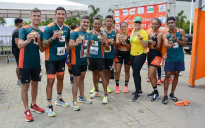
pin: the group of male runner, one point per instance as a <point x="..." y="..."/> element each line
<point x="94" y="49"/>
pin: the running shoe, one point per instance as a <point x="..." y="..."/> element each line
<point x="151" y="94"/>
<point x="71" y="80"/>
<point x="50" y="111"/>
<point x="37" y="109"/>
<point x="163" y="80"/>
<point x="95" y="94"/>
<point x="170" y="80"/>
<point x="136" y="97"/>
<point x="84" y="100"/>
<point x="173" y="97"/>
<point x="117" y="90"/>
<point x="159" y="82"/>
<point x="91" y="91"/>
<point x="148" y="80"/>
<point x="126" y="89"/>
<point x="180" y="74"/>
<point x="75" y="106"/>
<point x="105" y="100"/>
<point x="28" y="116"/>
<point x="18" y="83"/>
<point x="108" y="89"/>
<point x="165" y="100"/>
<point x="155" y="98"/>
<point x="61" y="102"/>
<point x="140" y="92"/>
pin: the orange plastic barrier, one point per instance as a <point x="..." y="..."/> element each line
<point x="197" y="67"/>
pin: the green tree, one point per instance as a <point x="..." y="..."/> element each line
<point x="94" y="13"/>
<point x="71" y="20"/>
<point x="180" y="19"/>
<point x="186" y="26"/>
<point x="111" y="10"/>
<point x="2" y="21"/>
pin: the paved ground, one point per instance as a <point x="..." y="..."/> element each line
<point x="120" y="112"/>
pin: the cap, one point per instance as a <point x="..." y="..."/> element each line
<point x="138" y="19"/>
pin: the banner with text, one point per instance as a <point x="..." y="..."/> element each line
<point x="146" y="12"/>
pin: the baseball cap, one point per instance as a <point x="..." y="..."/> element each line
<point x="138" y="19"/>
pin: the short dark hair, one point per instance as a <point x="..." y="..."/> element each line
<point x="73" y="26"/>
<point x="109" y="16"/>
<point x="18" y="20"/>
<point x="35" y="10"/>
<point x="85" y="17"/>
<point x="171" y="18"/>
<point x="60" y="8"/>
<point x="124" y="23"/>
<point x="158" y="20"/>
<point x="96" y="18"/>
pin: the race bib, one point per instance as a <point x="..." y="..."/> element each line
<point x="94" y="50"/>
<point x="107" y="50"/>
<point x="175" y="45"/>
<point x="62" y="38"/>
<point x="95" y="43"/>
<point x="60" y="51"/>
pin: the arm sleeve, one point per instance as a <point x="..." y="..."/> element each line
<point x="46" y="33"/>
<point x="22" y="34"/>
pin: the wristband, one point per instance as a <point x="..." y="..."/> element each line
<point x="141" y="38"/>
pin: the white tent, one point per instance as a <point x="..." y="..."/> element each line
<point x="22" y="8"/>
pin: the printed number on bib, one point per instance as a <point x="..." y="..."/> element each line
<point x="94" y="50"/>
<point x="60" y="51"/>
<point x="175" y="45"/>
<point x="62" y="39"/>
<point x="107" y="50"/>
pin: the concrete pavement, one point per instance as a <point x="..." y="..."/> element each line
<point x="121" y="112"/>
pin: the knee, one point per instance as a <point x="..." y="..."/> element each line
<point x="25" y="87"/>
<point x="176" y="75"/>
<point x="127" y="72"/>
<point x="151" y="76"/>
<point x="167" y="76"/>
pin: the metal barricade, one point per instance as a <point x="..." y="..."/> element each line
<point x="6" y="47"/>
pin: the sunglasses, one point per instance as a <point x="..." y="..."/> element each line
<point x="138" y="22"/>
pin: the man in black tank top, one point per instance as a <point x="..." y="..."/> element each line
<point x="15" y="49"/>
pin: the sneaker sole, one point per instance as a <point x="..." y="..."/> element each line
<point x="32" y="110"/>
<point x="117" y="92"/>
<point x="104" y="102"/>
<point x="76" y="109"/>
<point x="51" y="115"/>
<point x="28" y="120"/>
<point x="136" y="100"/>
<point x="156" y="100"/>
<point x="173" y="100"/>
<point x="84" y="102"/>
<point x="57" y="104"/>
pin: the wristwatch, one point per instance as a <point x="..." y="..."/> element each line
<point x="141" y="38"/>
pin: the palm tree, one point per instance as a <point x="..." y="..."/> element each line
<point x="94" y="14"/>
<point x="180" y="19"/>
<point x="111" y="10"/>
<point x="2" y="21"/>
